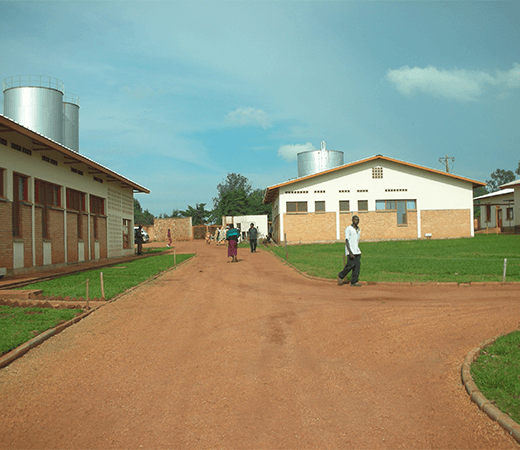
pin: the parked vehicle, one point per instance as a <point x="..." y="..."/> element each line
<point x="146" y="236"/>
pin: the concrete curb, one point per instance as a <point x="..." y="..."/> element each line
<point x="482" y="402"/>
<point x="21" y="350"/>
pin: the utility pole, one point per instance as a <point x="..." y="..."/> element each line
<point x="446" y="162"/>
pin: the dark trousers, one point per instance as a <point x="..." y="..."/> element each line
<point x="252" y="244"/>
<point x="355" y="266"/>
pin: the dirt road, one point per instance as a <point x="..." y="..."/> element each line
<point x="252" y="355"/>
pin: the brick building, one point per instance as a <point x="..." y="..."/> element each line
<point x="394" y="200"/>
<point x="57" y="206"/>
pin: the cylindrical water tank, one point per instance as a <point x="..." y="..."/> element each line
<point x="71" y="121"/>
<point x="35" y="102"/>
<point x="315" y="161"/>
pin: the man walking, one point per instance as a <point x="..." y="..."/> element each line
<point x="252" y="234"/>
<point x="353" y="253"/>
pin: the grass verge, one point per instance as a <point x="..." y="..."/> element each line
<point x="480" y="258"/>
<point x="116" y="279"/>
<point x="19" y="325"/>
<point x="496" y="373"/>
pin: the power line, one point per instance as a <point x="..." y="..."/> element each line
<point x="446" y="162"/>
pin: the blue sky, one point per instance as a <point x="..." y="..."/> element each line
<point x="176" y="95"/>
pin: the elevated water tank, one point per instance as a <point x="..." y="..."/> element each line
<point x="71" y="121"/>
<point x="315" y="161"/>
<point x="35" y="102"/>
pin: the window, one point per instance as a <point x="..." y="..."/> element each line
<point x="47" y="195"/>
<point x="377" y="172"/>
<point x="362" y="205"/>
<point x="319" y="206"/>
<point x="126" y="234"/>
<point x="19" y="195"/>
<point x="296" y="207"/>
<point x="488" y="213"/>
<point x="3" y="141"/>
<point x="97" y="205"/>
<point x="401" y="207"/>
<point x="75" y="200"/>
<point x="509" y="214"/>
<point x="402" y="218"/>
<point x="2" y="171"/>
<point x="344" y="206"/>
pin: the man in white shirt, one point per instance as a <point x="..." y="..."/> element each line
<point x="352" y="233"/>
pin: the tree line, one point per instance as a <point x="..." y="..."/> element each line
<point x="235" y="197"/>
<point x="497" y="179"/>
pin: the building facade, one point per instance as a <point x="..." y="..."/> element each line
<point x="57" y="206"/>
<point x="497" y="210"/>
<point x="394" y="200"/>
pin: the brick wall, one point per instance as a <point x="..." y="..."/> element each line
<point x="310" y="227"/>
<point x="446" y="223"/>
<point x="72" y="237"/>
<point x="180" y="229"/>
<point x="56" y="235"/>
<point x="26" y="219"/>
<point x="6" y="235"/>
<point x="381" y="225"/>
<point x="376" y="225"/>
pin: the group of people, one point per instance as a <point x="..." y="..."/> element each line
<point x="232" y="235"/>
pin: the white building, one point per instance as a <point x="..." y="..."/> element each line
<point x="497" y="210"/>
<point x="394" y="200"/>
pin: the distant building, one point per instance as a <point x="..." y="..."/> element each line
<point x="57" y="206"/>
<point x="497" y="210"/>
<point x="394" y="200"/>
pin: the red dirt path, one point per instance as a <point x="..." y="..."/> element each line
<point x="252" y="355"/>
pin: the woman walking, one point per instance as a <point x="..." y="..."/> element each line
<point x="169" y="235"/>
<point x="232" y="238"/>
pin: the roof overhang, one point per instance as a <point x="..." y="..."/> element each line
<point x="271" y="193"/>
<point x="41" y="143"/>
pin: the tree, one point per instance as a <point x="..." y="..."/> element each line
<point x="232" y="182"/>
<point x="518" y="169"/>
<point x="256" y="206"/>
<point x="142" y="217"/>
<point x="499" y="177"/>
<point x="198" y="215"/>
<point x="235" y="197"/>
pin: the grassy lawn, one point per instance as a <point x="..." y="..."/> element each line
<point x="455" y="260"/>
<point x="496" y="372"/>
<point x="116" y="279"/>
<point x="18" y="325"/>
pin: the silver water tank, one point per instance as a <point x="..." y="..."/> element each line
<point x="315" y="161"/>
<point x="71" y="121"/>
<point x="36" y="102"/>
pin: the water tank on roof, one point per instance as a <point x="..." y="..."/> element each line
<point x="71" y="121"/>
<point x="315" y="161"/>
<point x="36" y="102"/>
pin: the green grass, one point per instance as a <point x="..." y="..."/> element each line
<point x="18" y="325"/>
<point x="116" y="279"/>
<point x="496" y="372"/>
<point x="454" y="260"/>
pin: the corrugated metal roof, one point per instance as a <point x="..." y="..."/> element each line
<point x="48" y="144"/>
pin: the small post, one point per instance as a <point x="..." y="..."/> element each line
<point x="88" y="306"/>
<point x="102" y="286"/>
<point x="286" y="252"/>
<point x="505" y="271"/>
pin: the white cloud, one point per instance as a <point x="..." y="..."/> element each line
<point x="290" y="152"/>
<point x="248" y="116"/>
<point x="461" y="85"/>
